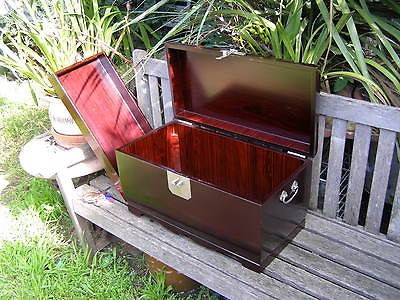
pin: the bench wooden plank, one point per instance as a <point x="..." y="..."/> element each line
<point x="142" y="85"/>
<point x="101" y="183"/>
<point x="308" y="282"/>
<point x="152" y="67"/>
<point x="208" y="267"/>
<point x="155" y="101"/>
<point x="104" y="184"/>
<point x="316" y="165"/>
<point x="338" y="274"/>
<point x="380" y="179"/>
<point x="394" y="225"/>
<point x="354" y="238"/>
<point x="167" y="100"/>
<point x="359" y="160"/>
<point x="349" y="257"/>
<point x="359" y="111"/>
<point x="335" y="162"/>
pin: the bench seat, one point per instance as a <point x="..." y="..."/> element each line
<point x="326" y="260"/>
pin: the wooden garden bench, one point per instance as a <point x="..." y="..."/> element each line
<point x="332" y="258"/>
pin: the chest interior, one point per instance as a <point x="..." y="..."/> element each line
<point x="236" y="166"/>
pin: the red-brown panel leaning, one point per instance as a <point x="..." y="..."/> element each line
<point x="102" y="106"/>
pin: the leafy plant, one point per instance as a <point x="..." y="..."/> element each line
<point x="375" y="70"/>
<point x="41" y="269"/>
<point x="347" y="40"/>
<point x="44" y="36"/>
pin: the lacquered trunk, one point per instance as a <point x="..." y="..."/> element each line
<point x="235" y="189"/>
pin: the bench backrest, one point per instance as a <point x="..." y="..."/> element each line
<point x="360" y="186"/>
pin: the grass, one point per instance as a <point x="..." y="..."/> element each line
<point x="39" y="258"/>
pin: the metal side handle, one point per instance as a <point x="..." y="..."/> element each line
<point x="286" y="198"/>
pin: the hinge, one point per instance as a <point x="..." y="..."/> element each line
<point x="226" y="53"/>
<point x="296" y="154"/>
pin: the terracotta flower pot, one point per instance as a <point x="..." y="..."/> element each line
<point x="178" y="281"/>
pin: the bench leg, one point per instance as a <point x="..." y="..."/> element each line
<point x="81" y="225"/>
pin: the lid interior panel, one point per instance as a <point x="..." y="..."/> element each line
<point x="269" y="100"/>
<point x="101" y="105"/>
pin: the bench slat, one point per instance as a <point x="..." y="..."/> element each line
<point x="338" y="274"/>
<point x="151" y="66"/>
<point x="316" y="165"/>
<point x="359" y="111"/>
<point x="155" y="101"/>
<point x="305" y="281"/>
<point x="362" y="241"/>
<point x="394" y="225"/>
<point x="142" y="85"/>
<point x="167" y="100"/>
<point x="380" y="179"/>
<point x="359" y="160"/>
<point x="335" y="162"/>
<point x="347" y="256"/>
<point x="208" y="267"/>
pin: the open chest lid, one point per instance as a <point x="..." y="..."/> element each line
<point x="101" y="106"/>
<point x="263" y="99"/>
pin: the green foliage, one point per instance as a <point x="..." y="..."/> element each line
<point x="19" y="123"/>
<point x="39" y="269"/>
<point x="154" y="288"/>
<point x="346" y="38"/>
<point x="44" y="36"/>
<point x="40" y="195"/>
<point x="203" y="294"/>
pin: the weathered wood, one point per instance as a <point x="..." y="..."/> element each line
<point x="308" y="282"/>
<point x="394" y="225"/>
<point x="358" y="111"/>
<point x="338" y="274"/>
<point x="215" y="270"/>
<point x="86" y="229"/>
<point x="380" y="179"/>
<point x="104" y="184"/>
<point x="101" y="183"/>
<point x="316" y="165"/>
<point x="380" y="236"/>
<point x="68" y="193"/>
<point x="155" y="101"/>
<point x="322" y="275"/>
<point x="354" y="238"/>
<point x="359" y="161"/>
<point x="167" y="100"/>
<point x="155" y="67"/>
<point x="335" y="162"/>
<point x="142" y="85"/>
<point x="349" y="257"/>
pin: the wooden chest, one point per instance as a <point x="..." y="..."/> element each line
<point x="231" y="170"/>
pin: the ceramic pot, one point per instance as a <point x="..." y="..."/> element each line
<point x="61" y="120"/>
<point x="64" y="129"/>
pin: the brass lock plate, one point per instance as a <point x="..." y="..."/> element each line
<point x="179" y="185"/>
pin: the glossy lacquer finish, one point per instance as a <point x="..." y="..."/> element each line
<point x="269" y="100"/>
<point x="234" y="205"/>
<point x="242" y="168"/>
<point x="101" y="106"/>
